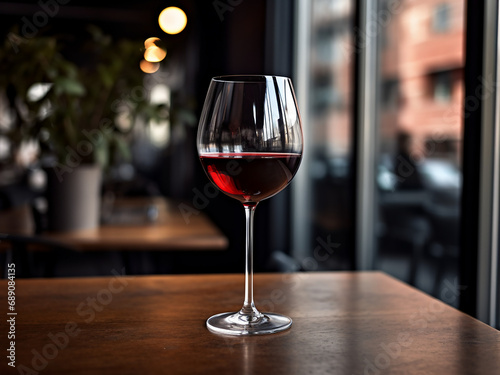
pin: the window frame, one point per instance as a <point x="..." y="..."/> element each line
<point x="480" y="219"/>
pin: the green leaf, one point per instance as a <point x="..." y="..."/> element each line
<point x="107" y="78"/>
<point x="65" y="85"/>
<point x="101" y="153"/>
<point x="123" y="148"/>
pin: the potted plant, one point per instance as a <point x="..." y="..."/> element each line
<point x="79" y="114"/>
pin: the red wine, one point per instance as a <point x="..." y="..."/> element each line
<point x="250" y="177"/>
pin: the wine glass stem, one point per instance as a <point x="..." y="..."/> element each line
<point x="248" y="305"/>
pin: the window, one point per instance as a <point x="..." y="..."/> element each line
<point x="441" y="18"/>
<point x="408" y="148"/>
<point x="442" y="83"/>
<point x="418" y="176"/>
<point x="390" y="94"/>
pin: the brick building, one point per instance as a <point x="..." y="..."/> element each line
<point x="421" y="68"/>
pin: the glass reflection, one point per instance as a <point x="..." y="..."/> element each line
<point x="419" y="177"/>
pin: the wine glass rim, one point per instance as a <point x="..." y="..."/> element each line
<point x="246" y="78"/>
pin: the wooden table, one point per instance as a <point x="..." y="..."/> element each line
<point x="171" y="231"/>
<point x="343" y="323"/>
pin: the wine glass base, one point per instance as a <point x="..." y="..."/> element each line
<point x="233" y="323"/>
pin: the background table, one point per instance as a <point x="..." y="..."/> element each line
<point x="171" y="231"/>
<point x="343" y="323"/>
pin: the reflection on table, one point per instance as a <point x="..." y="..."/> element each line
<point x="343" y="323"/>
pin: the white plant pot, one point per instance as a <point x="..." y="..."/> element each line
<point x="74" y="198"/>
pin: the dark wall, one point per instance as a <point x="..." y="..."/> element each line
<point x="231" y="42"/>
<point x="219" y="39"/>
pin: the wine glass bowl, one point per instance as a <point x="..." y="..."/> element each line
<point x="250" y="177"/>
<point x="250" y="145"/>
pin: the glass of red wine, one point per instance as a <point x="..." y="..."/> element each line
<point x="250" y="145"/>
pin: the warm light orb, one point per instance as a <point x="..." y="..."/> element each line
<point x="151" y="42"/>
<point x="154" y="54"/>
<point x="149" y="67"/>
<point x="172" y="20"/>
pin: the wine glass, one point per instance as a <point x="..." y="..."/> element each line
<point x="250" y="145"/>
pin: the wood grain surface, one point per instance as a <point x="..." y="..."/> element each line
<point x="174" y="229"/>
<point x="343" y="323"/>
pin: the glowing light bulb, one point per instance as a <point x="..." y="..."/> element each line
<point x="149" y="67"/>
<point x="172" y="20"/>
<point x="154" y="54"/>
<point x="151" y="42"/>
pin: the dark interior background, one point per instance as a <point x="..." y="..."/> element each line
<point x="218" y="40"/>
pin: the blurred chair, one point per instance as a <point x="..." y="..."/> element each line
<point x="444" y="214"/>
<point x="32" y="256"/>
<point x="281" y="262"/>
<point x="17" y="220"/>
<point x="405" y="221"/>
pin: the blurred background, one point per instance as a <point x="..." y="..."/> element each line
<point x="64" y="61"/>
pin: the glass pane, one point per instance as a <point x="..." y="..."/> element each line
<point x="421" y="62"/>
<point x="330" y="162"/>
<point x="497" y="319"/>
